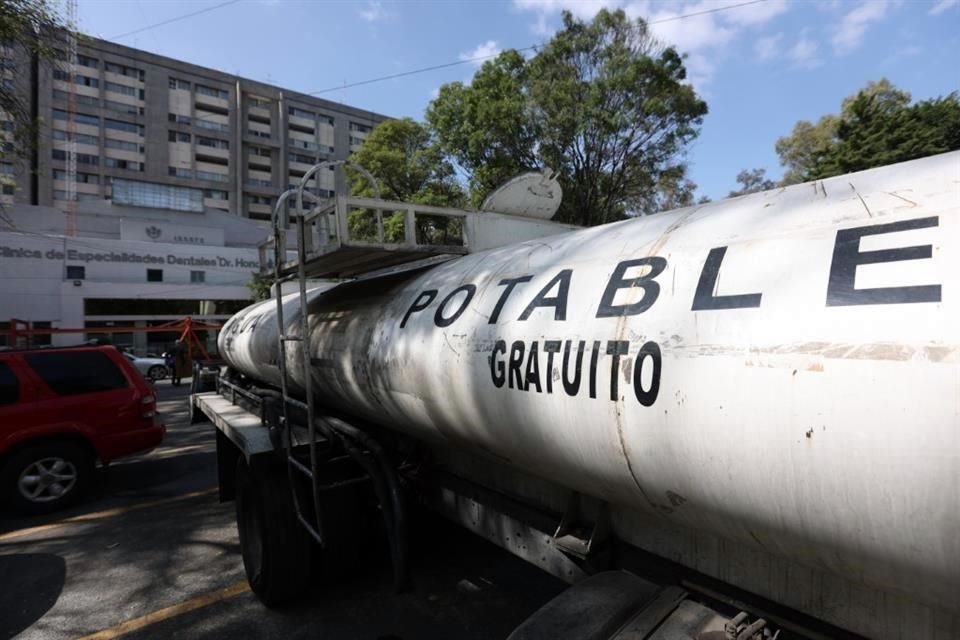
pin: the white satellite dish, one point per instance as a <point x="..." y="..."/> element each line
<point x="531" y="195"/>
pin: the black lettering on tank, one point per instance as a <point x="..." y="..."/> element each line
<point x="440" y="320"/>
<point x="616" y="348"/>
<point x="509" y="283"/>
<point x="497" y="369"/>
<point x="422" y="302"/>
<point x="558" y="302"/>
<point x="651" y="351"/>
<point x="572" y="386"/>
<point x="651" y="289"/>
<point x="516" y="362"/>
<point x="841" y="291"/>
<point x="550" y="347"/>
<point x="704" y="300"/>
<point x="533" y="368"/>
<point x="594" y="357"/>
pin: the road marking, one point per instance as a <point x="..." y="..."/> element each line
<point x="197" y="602"/>
<point x="101" y="515"/>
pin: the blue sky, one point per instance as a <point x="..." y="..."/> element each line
<point x="760" y="67"/>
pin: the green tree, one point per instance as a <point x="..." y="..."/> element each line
<point x="752" y="181"/>
<point x="798" y="151"/>
<point x="874" y="132"/>
<point x="259" y="285"/>
<point x="408" y="165"/>
<point x="603" y="104"/>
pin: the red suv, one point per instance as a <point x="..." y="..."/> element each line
<point x="61" y="410"/>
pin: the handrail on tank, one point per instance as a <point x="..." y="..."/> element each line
<point x="279" y="235"/>
<point x="302" y="188"/>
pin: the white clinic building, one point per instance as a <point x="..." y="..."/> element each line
<point x="151" y="255"/>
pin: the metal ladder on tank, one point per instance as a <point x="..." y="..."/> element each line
<point x="278" y="222"/>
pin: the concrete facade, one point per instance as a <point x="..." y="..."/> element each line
<point x="149" y="118"/>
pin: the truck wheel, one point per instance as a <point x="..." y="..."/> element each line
<point x="45" y="477"/>
<point x="277" y="550"/>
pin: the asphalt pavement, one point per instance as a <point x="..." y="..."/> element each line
<point x="152" y="554"/>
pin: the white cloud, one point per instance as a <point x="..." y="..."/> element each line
<point x="435" y="93"/>
<point x="705" y="38"/>
<point x="540" y="28"/>
<point x="804" y="52"/>
<point x="486" y="50"/>
<point x="754" y="14"/>
<point x="768" y="47"/>
<point x="854" y="25"/>
<point x="942" y="5"/>
<point x="373" y="11"/>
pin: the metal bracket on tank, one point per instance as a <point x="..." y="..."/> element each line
<point x="576" y="537"/>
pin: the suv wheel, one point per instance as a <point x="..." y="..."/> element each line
<point x="46" y="477"/>
<point x="157" y="372"/>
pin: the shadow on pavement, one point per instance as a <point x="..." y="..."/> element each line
<point x="39" y="579"/>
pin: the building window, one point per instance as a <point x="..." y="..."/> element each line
<point x="326" y="120"/>
<point x="81" y="99"/>
<point x="123" y="70"/>
<point x="6" y="168"/>
<point x="79" y="118"/>
<point x="216" y="194"/>
<point x="301" y="158"/>
<point x="7" y="189"/>
<point x="87" y="61"/>
<point x="119" y="125"/>
<point x="81" y="138"/>
<point x="123" y="145"/>
<point x="260" y="151"/>
<point x="258" y="134"/>
<point x="213" y="92"/>
<point x="123" y="89"/>
<point x="212" y="142"/>
<point x="82" y="158"/>
<point x="86" y="81"/>
<point x="75" y="272"/>
<point x="179" y="84"/>
<point x="360" y="128"/>
<point x="122" y="108"/>
<point x="213" y="177"/>
<point x="254" y="182"/>
<point x="86" y="178"/>
<point x="179" y="119"/>
<point x="257" y="101"/>
<point x="129" y="165"/>
<point x="260" y="200"/>
<point x="252" y="117"/>
<point x="179" y="172"/>
<point x="159" y="196"/>
<point x="213" y="126"/>
<point x="197" y="277"/>
<point x="154" y="275"/>
<point x="178" y="136"/>
<point x="301" y="113"/>
<point x="355" y="141"/>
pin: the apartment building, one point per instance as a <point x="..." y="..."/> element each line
<point x="170" y="130"/>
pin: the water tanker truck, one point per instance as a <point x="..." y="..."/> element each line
<point x="762" y="394"/>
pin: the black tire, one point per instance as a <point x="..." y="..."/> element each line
<point x="157" y="372"/>
<point x="277" y="550"/>
<point x="46" y="477"/>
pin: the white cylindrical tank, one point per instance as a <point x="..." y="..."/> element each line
<point x="782" y="369"/>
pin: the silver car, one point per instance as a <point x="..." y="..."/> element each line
<point x="152" y="368"/>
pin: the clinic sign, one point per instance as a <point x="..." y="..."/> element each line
<point x="91" y="256"/>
